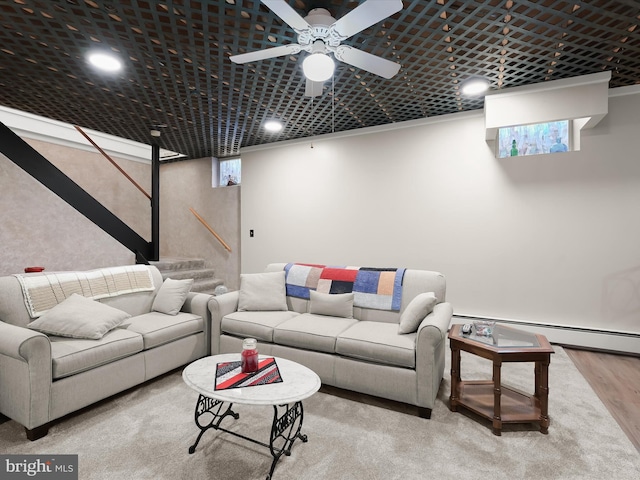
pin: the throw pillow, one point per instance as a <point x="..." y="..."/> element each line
<point x="79" y="317"/>
<point x="335" y="305"/>
<point x="262" y="291"/>
<point x="171" y="296"/>
<point x="418" y="308"/>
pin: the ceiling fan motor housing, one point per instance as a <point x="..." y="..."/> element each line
<point x="320" y="21"/>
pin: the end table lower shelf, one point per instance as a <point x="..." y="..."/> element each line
<point x="515" y="406"/>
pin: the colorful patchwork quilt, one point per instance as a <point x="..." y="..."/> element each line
<point x="377" y="288"/>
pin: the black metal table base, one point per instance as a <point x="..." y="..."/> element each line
<point x="285" y="428"/>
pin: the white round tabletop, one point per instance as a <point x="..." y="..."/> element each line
<point x="298" y="382"/>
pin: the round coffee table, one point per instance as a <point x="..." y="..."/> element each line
<point x="298" y="382"/>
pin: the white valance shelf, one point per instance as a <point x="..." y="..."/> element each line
<point x="584" y="100"/>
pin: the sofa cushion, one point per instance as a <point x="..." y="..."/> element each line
<point x="171" y="296"/>
<point x="314" y="332"/>
<point x="378" y="342"/>
<point x="74" y="355"/>
<point x="79" y="317"/>
<point x="257" y="325"/>
<point x="335" y="305"/>
<point x="419" y="307"/>
<point x="159" y="328"/>
<point x="262" y="292"/>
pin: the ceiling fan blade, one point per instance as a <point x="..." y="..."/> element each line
<point x="290" y="49"/>
<point x="366" y="61"/>
<point x="313" y="89"/>
<point x="365" y="15"/>
<point x="287" y="14"/>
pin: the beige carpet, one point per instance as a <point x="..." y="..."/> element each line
<point x="145" y="434"/>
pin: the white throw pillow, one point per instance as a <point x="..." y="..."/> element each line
<point x="418" y="308"/>
<point x="79" y="317"/>
<point x="171" y="296"/>
<point x="332" y="304"/>
<point x="262" y="292"/>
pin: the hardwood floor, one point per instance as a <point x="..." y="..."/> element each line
<point x="616" y="380"/>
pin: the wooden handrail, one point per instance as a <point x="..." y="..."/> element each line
<point x="210" y="229"/>
<point x="112" y="161"/>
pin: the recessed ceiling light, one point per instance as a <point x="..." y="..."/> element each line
<point x="105" y="61"/>
<point x="273" y="125"/>
<point x="475" y="86"/>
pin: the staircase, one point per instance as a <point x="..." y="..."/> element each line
<point x="204" y="280"/>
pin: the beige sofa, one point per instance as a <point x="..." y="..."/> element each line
<point x="151" y="328"/>
<point x="365" y="353"/>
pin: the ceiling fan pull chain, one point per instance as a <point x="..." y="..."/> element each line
<point x="333" y="105"/>
<point x="313" y="116"/>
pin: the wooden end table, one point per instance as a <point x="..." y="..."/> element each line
<point x="489" y="398"/>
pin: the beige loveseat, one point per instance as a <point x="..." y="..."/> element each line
<point x="151" y="328"/>
<point x="365" y="353"/>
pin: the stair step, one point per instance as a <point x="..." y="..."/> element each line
<point x="207" y="286"/>
<point x="204" y="273"/>
<point x="204" y="280"/>
<point x="173" y="264"/>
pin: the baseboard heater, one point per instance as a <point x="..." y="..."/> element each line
<point x="570" y="336"/>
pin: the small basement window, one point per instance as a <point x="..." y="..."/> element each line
<point x="226" y="172"/>
<point x="534" y="139"/>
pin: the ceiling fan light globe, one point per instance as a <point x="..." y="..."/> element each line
<point x="318" y="67"/>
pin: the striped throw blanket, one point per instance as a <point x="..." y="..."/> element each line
<point x="44" y="291"/>
<point x="229" y="374"/>
<point x="376" y="288"/>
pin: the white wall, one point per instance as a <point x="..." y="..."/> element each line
<point x="551" y="239"/>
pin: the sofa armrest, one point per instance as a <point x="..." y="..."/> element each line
<point x="25" y="375"/>
<point x="430" y="351"/>
<point x="198" y="304"/>
<point x="219" y="306"/>
<point x="437" y="323"/>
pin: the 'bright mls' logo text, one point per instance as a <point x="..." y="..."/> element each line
<point x="60" y="467"/>
<point x="30" y="468"/>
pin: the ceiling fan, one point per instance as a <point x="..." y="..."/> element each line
<point x="320" y="34"/>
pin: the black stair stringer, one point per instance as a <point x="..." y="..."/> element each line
<point x="23" y="155"/>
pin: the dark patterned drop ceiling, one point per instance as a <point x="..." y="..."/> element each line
<point x="177" y="70"/>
